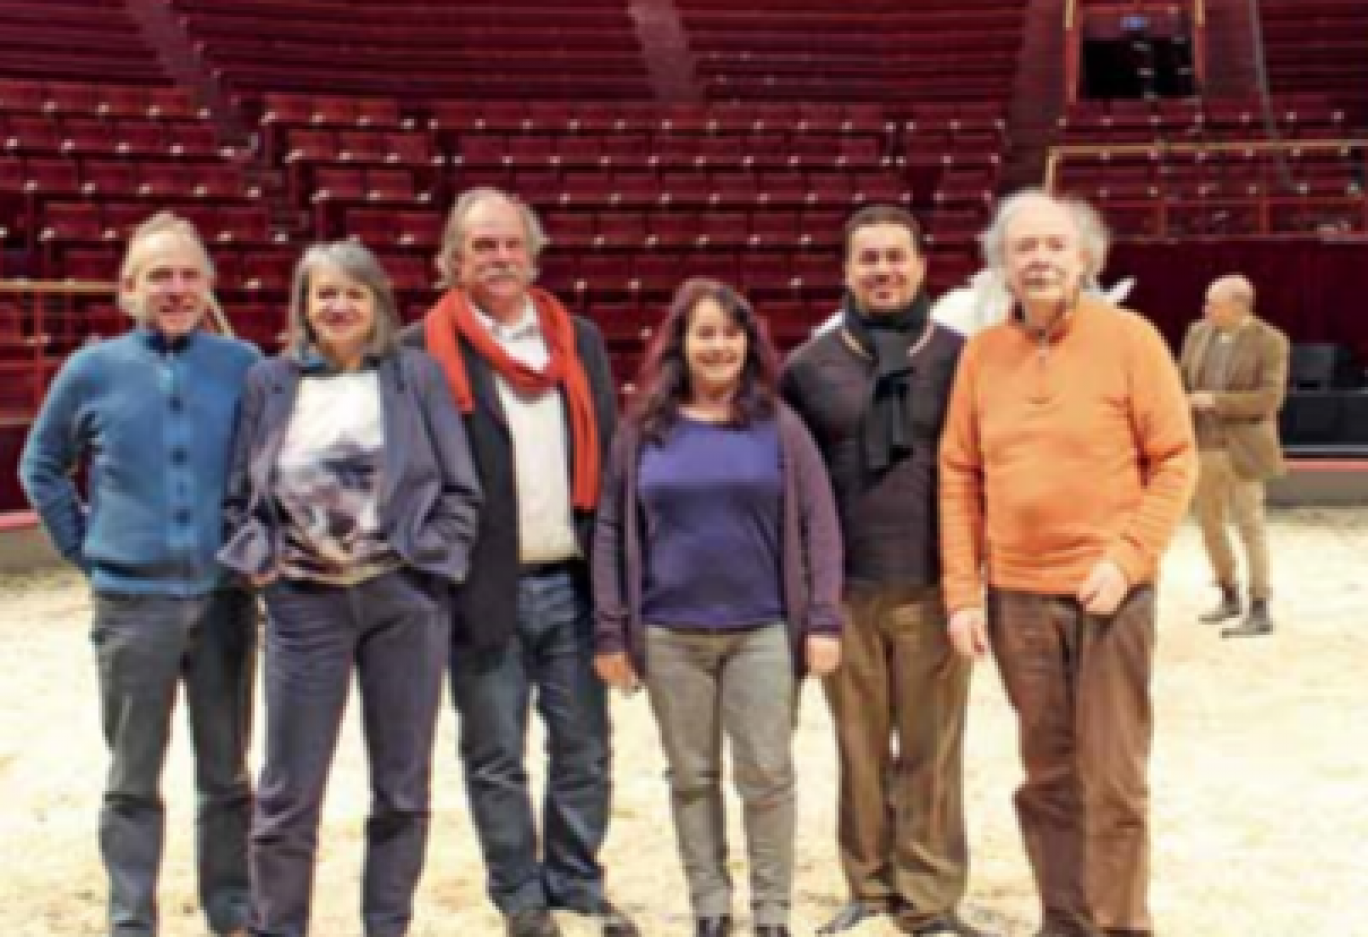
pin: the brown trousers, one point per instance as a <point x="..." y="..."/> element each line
<point x="1080" y="685"/>
<point x="1220" y="492"/>
<point x="898" y="702"/>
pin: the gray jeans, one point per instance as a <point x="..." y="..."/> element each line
<point x="741" y="684"/>
<point x="145" y="647"/>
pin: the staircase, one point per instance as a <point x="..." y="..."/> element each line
<point x="665" y="50"/>
<point x="1038" y="94"/>
<point x="1231" y="68"/>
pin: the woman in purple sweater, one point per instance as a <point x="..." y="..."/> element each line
<point x="717" y="561"/>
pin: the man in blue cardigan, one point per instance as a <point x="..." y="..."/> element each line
<point x="150" y="415"/>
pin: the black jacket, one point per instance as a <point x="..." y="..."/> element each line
<point x="888" y="522"/>
<point x="487" y="607"/>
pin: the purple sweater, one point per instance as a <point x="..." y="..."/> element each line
<point x="709" y="491"/>
<point x="810" y="546"/>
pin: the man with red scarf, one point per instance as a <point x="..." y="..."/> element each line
<point x="533" y="384"/>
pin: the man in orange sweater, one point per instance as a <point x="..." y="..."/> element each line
<point x="1067" y="461"/>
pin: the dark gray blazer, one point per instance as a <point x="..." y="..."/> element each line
<point x="487" y="608"/>
<point x="430" y="502"/>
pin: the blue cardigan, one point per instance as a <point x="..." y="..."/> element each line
<point x="153" y="423"/>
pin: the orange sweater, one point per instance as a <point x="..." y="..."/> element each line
<point x="1059" y="454"/>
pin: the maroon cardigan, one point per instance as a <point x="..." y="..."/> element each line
<point x="811" y="546"/>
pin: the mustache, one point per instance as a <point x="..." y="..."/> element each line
<point x="1043" y="271"/>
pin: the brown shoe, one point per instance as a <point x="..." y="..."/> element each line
<point x="1258" y="622"/>
<point x="534" y="922"/>
<point x="1228" y="607"/>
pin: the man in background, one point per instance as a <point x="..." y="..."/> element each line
<point x="1235" y="367"/>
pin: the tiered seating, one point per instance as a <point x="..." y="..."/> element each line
<point x="1305" y="117"/>
<point x="66" y="145"/>
<point x="1320" y="47"/>
<point x="39" y="326"/>
<point x="1210" y="169"/>
<point x="815" y="50"/>
<point x="823" y="50"/>
<point x="635" y="198"/>
<point x="954" y="50"/>
<point x="80" y="164"/>
<point x="954" y="155"/>
<point x="421" y="48"/>
<point x="78" y="40"/>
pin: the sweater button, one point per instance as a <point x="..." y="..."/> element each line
<point x="183" y="516"/>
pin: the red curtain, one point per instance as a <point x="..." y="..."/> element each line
<point x="1315" y="291"/>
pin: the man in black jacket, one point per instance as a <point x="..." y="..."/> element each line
<point x="874" y="390"/>
<point x="539" y="403"/>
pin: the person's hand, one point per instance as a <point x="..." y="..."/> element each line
<point x="823" y="654"/>
<point x="969" y="633"/>
<point x="1104" y="589"/>
<point x="1202" y="400"/>
<point x="262" y="580"/>
<point x="617" y="671"/>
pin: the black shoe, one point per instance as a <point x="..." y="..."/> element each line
<point x="535" y="922"/>
<point x="713" y="927"/>
<point x="772" y="930"/>
<point x="1257" y="622"/>
<point x="614" y="922"/>
<point x="852" y="915"/>
<point x="1229" y="607"/>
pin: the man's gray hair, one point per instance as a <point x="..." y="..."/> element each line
<point x="137" y="256"/>
<point x="353" y="259"/>
<point x="1093" y="237"/>
<point x="453" y="235"/>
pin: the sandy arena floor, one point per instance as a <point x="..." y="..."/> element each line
<point x="1260" y="779"/>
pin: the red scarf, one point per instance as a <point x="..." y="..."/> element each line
<point x="454" y="315"/>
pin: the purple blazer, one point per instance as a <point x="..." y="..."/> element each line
<point x="811" y="546"/>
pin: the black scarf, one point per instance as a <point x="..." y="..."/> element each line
<point x="886" y="431"/>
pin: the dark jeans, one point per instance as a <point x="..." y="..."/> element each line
<point x="394" y="631"/>
<point x="145" y="646"/>
<point x="552" y="655"/>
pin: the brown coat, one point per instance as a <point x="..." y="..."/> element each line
<point x="1250" y="395"/>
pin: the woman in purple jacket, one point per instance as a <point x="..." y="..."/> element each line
<point x="717" y="561"/>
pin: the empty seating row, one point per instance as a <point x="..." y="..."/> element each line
<point x="422" y="50"/>
<point x="699" y="192"/>
<point x="1318" y="46"/>
<point x="76" y="223"/>
<point x="190" y="139"/>
<point x="75" y="40"/>
<point x="1250" y="170"/>
<point x="240" y="269"/>
<point x="141" y="177"/>
<point x="762" y="148"/>
<point x="19" y="96"/>
<point x="1233" y="217"/>
<point x="620" y="117"/>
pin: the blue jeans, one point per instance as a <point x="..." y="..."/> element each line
<point x="551" y="657"/>
<point x="393" y="633"/>
<point x="145" y="647"/>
